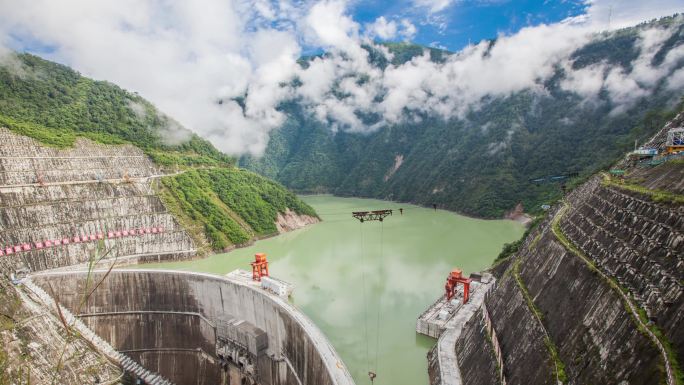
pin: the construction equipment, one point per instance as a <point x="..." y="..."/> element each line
<point x="454" y="278"/>
<point x="259" y="267"/>
<point x="366" y="216"/>
<point x="377" y="215"/>
<point x="675" y="141"/>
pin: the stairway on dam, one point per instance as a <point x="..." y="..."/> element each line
<point x="57" y="205"/>
<point x="72" y="322"/>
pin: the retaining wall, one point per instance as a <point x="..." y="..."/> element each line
<point x="638" y="242"/>
<point x="49" y="194"/>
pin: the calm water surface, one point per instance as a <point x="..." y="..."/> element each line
<point x="405" y="261"/>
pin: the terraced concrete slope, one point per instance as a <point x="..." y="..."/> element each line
<point x="595" y="295"/>
<point x="38" y="349"/>
<point x="57" y="205"/>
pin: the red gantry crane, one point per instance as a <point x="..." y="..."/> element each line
<point x="454" y="278"/>
<point x="259" y="266"/>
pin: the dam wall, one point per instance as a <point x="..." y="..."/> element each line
<point x="638" y="242"/>
<point x="170" y="322"/>
<point x="58" y="206"/>
<point x="563" y="315"/>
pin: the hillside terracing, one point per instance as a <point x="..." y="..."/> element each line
<point x="56" y="206"/>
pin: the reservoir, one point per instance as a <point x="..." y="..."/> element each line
<point x="402" y="264"/>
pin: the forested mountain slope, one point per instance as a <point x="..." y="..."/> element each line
<point x="219" y="204"/>
<point x="481" y="164"/>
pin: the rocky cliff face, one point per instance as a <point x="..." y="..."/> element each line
<point x="290" y="220"/>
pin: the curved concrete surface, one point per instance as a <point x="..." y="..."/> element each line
<point x="175" y="323"/>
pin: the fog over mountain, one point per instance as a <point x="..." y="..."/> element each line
<point x="224" y="69"/>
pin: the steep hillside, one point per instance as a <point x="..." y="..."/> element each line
<point x="36" y="348"/>
<point x="220" y="205"/>
<point x="595" y="295"/>
<point x="55" y="104"/>
<point x="480" y="164"/>
<point x="224" y="207"/>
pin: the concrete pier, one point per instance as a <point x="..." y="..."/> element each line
<point x="446" y="320"/>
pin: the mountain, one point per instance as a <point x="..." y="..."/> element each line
<point x="481" y="163"/>
<point x="55" y="104"/>
<point x="220" y="205"/>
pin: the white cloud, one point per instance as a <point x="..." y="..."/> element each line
<point x="408" y="30"/>
<point x="183" y="57"/>
<point x="186" y="58"/>
<point x="382" y="28"/>
<point x="390" y="29"/>
<point x="434" y="5"/>
<point x="330" y="26"/>
<point x="612" y="14"/>
<point x="626" y="86"/>
<point x="676" y="81"/>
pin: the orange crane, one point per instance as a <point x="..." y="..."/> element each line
<point x="452" y="281"/>
<point x="259" y="266"/>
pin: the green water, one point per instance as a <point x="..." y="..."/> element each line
<point x="405" y="261"/>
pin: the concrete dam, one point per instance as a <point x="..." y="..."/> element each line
<point x="60" y="209"/>
<point x="201" y="329"/>
<point x="593" y="295"/>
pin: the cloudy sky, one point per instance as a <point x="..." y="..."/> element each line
<point x="185" y="56"/>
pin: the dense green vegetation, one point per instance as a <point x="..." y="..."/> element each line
<point x="230" y="206"/>
<point x="480" y="165"/>
<point x="215" y="201"/>
<point x="513" y="247"/>
<point x="55" y="104"/>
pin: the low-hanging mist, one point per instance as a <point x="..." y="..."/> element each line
<point x="224" y="69"/>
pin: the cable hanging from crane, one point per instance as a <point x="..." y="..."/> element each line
<point x="377" y="320"/>
<point x="366" y="216"/>
<point x="365" y="301"/>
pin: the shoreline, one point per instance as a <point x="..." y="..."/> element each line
<point x="418" y="206"/>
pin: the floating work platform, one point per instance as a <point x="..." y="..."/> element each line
<point x="437" y="317"/>
<point x="273" y="285"/>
